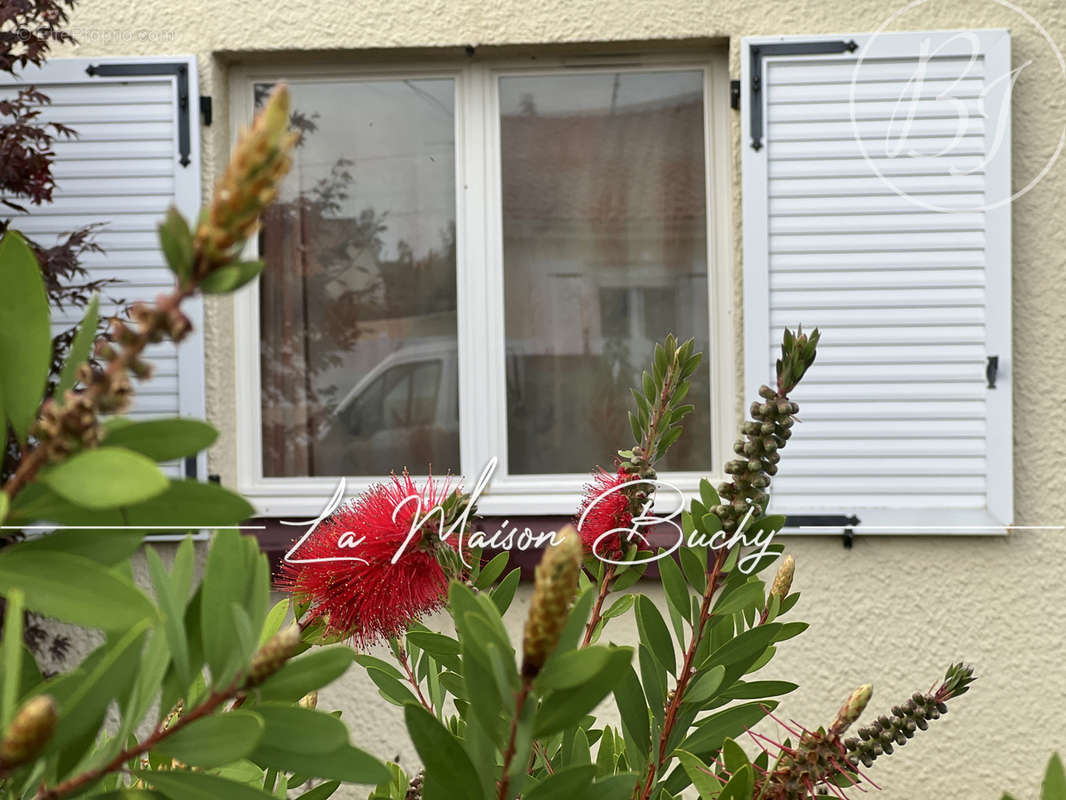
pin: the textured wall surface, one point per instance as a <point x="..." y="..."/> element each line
<point x="892" y="610"/>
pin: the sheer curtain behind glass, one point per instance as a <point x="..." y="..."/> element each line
<point x="605" y="252"/>
<point x="357" y="302"/>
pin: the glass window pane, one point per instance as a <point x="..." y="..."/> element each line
<point x="357" y="303"/>
<point x="605" y="252"/>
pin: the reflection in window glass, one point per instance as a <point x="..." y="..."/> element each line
<point x="605" y="252"/>
<point x="359" y="288"/>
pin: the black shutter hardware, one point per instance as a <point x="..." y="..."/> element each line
<point x="848" y="523"/>
<point x="758" y="51"/>
<point x="178" y="69"/>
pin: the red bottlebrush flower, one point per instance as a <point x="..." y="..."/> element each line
<point x="377" y="599"/>
<point x="604" y="508"/>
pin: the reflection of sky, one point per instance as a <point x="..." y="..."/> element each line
<point x="401" y="137"/>
<point x="592" y="93"/>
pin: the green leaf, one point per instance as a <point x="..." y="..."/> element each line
<point x="231" y="277"/>
<point x="84" y="695"/>
<point x="104" y="547"/>
<point x="633" y="709"/>
<point x="307" y="673"/>
<point x="390" y="688"/>
<point x="368" y="662"/>
<point x="572" y="668"/>
<point x="740" y="785"/>
<point x="654" y="633"/>
<point x="106" y="477"/>
<point x="79" y="350"/>
<point x="563" y="708"/>
<point x="130" y="794"/>
<point x="12" y="658"/>
<point x="73" y="589"/>
<point x="274" y="620"/>
<point x="616" y="787"/>
<point x="653" y="678"/>
<point x="1054" y="786"/>
<point x="176" y="242"/>
<point x="187" y="503"/>
<point x="753" y="690"/>
<point x="436" y="644"/>
<point x="163" y="439"/>
<point x="321" y="792"/>
<point x="222" y="586"/>
<point x="491" y="570"/>
<point x="677" y="593"/>
<point x="738" y="654"/>
<point x="567" y="782"/>
<point x="25" y="335"/>
<point x="215" y="740"/>
<point x="198" y="785"/>
<point x="708" y="495"/>
<point x="318" y="731"/>
<point x="705" y="686"/>
<point x="449" y="771"/>
<point x="503" y="593"/>
<point x="733" y="756"/>
<point x="280" y="751"/>
<point x="694" y="565"/>
<point x="705" y="781"/>
<point x="744" y="596"/>
<point x="710" y="733"/>
<point x="173" y="618"/>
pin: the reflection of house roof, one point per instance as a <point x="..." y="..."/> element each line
<point x="644" y="164"/>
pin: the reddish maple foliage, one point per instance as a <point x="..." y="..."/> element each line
<point x="377" y="599"/>
<point x="603" y="509"/>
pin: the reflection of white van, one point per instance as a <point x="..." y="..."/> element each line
<point x="403" y="412"/>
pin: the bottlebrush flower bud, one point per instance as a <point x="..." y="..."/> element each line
<point x="852" y="709"/>
<point x="767" y="393"/>
<point x="554" y="588"/>
<point x="260" y="160"/>
<point x="783" y="580"/>
<point x="29" y="732"/>
<point x="273" y="655"/>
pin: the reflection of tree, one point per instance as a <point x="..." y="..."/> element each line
<point x="328" y="277"/>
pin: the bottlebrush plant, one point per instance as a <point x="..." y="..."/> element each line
<point x="492" y="719"/>
<point x="202" y="692"/>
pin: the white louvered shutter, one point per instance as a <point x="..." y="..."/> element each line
<point x="876" y="196"/>
<point x="137" y="153"/>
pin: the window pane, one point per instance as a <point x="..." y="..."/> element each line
<point x="605" y="252"/>
<point x="357" y="304"/>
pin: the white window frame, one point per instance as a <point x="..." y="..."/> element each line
<point x="479" y="283"/>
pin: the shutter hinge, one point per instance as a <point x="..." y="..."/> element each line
<point x="205" y="109"/>
<point x="992" y="370"/>
<point x="179" y="70"/>
<point x="758" y="51"/>
<point x="734" y="95"/>
<point x="848" y="523"/>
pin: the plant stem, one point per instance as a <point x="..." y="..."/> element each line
<point x="207" y="707"/>
<point x="684" y="675"/>
<point x="401" y="656"/>
<point x="38" y="457"/>
<point x="508" y="755"/>
<point x="538" y="748"/>
<point x="597" y="607"/>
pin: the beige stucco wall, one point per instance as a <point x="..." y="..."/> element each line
<point x="892" y="610"/>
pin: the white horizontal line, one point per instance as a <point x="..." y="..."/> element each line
<point x="134" y="527"/>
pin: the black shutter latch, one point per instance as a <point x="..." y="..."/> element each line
<point x="991" y="370"/>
